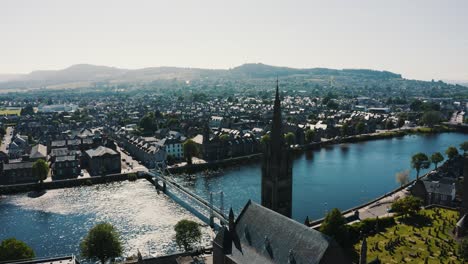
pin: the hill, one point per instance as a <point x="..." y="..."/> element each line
<point x="84" y="75"/>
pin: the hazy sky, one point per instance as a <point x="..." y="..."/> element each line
<point x="421" y="39"/>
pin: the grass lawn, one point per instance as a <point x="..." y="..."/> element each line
<point x="415" y="239"/>
<point x="10" y="112"/>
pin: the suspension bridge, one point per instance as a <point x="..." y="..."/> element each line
<point x="163" y="180"/>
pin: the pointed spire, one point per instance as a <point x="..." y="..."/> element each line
<point x="277" y="125"/>
<point x="307" y="221"/>
<point x="231" y="220"/>
<point x="363" y="256"/>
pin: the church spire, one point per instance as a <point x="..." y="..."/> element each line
<point x="277" y="126"/>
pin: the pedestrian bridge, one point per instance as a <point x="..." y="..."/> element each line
<point x="205" y="210"/>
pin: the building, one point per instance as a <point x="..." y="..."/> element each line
<point x="102" y="160"/>
<point x="173" y="147"/>
<point x="277" y="167"/>
<point x="38" y="151"/>
<point x="260" y="235"/>
<point x="66" y="167"/>
<point x="16" y="173"/>
<point x="434" y="192"/>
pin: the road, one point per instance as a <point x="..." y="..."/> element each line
<point x="380" y="207"/>
<point x="129" y="164"/>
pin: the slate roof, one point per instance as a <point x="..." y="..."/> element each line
<point x="269" y="237"/>
<point x="440" y="188"/>
<point x="38" y="151"/>
<point x="17" y="165"/>
<point x="100" y="151"/>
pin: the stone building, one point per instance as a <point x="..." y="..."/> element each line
<point x="102" y="160"/>
<point x="260" y="235"/>
<point x="277" y="167"/>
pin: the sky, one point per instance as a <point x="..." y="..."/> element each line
<point x="421" y="39"/>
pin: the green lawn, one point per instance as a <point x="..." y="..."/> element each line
<point x="10" y="112"/>
<point x="413" y="240"/>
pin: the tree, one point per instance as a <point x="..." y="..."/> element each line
<point x="190" y="150"/>
<point x="290" y="138"/>
<point x="431" y="118"/>
<point x="40" y="170"/>
<point x="464" y="249"/>
<point x="344" y="130"/>
<point x="27" y="110"/>
<point x="400" y="122"/>
<point x="309" y="135"/>
<point x="419" y="161"/>
<point x="464" y="147"/>
<point x="402" y="177"/>
<point x="265" y="139"/>
<point x="12" y="249"/>
<point x="389" y="125"/>
<point x="451" y="152"/>
<point x="436" y="158"/>
<point x="148" y="123"/>
<point x="102" y="242"/>
<point x="2" y="131"/>
<point x="408" y="205"/>
<point x="188" y="233"/>
<point x="360" y="127"/>
<point x="334" y="225"/>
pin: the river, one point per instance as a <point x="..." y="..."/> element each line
<point x="337" y="176"/>
<point x="55" y="223"/>
<point x="341" y="176"/>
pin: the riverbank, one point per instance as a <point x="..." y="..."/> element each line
<point x="396" y="133"/>
<point x="70" y="183"/>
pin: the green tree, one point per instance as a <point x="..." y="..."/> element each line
<point x="224" y="137"/>
<point x="344" y="130"/>
<point x="148" y="123"/>
<point x="40" y="170"/>
<point x="400" y="122"/>
<point x="2" y="131"/>
<point x="27" y="110"/>
<point x="419" y="161"/>
<point x="190" y="150"/>
<point x="451" y="152"/>
<point x="309" y="135"/>
<point x="360" y="127"/>
<point x="188" y="233"/>
<point x="464" y="147"/>
<point x="290" y="138"/>
<point x="334" y="225"/>
<point x="265" y="139"/>
<point x="12" y="249"/>
<point x="408" y="205"/>
<point x="102" y="242"/>
<point x="436" y="158"/>
<point x="431" y="118"/>
<point x="464" y="249"/>
<point x="389" y="124"/>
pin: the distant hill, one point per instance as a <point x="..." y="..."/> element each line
<point x="84" y="75"/>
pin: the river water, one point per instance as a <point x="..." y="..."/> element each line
<point x="55" y="223"/>
<point x="339" y="176"/>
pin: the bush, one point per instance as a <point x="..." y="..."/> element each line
<point x="132" y="177"/>
<point x="368" y="226"/>
<point x="12" y="249"/>
<point x="88" y="183"/>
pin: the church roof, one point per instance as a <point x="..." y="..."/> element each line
<point x="269" y="237"/>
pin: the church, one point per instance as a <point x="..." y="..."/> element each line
<point x="266" y="233"/>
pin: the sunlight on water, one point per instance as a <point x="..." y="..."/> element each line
<point x="60" y="218"/>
